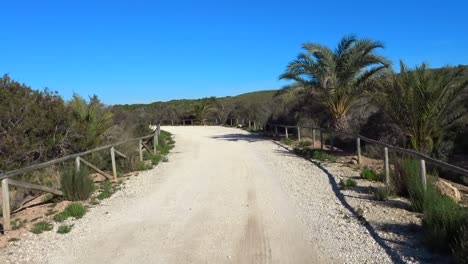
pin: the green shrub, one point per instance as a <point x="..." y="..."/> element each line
<point x="63" y="229"/>
<point x="163" y="149"/>
<point x="75" y="210"/>
<point x="460" y="247"/>
<point x="286" y="141"/>
<point x="41" y="227"/>
<point x="349" y="183"/>
<point x="370" y="174"/>
<point x="323" y="156"/>
<point x="106" y="191"/>
<point x="406" y="182"/>
<point x="304" y="143"/>
<point x="443" y="220"/>
<point x="382" y="193"/>
<point x="76" y="186"/>
<point x="154" y="158"/>
<point x="142" y="166"/>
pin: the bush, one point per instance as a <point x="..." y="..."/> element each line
<point x="304" y="143"/>
<point x="323" y="156"/>
<point x="154" y="158"/>
<point x="406" y="182"/>
<point x="75" y="210"/>
<point x="371" y="175"/>
<point x="349" y="183"/>
<point x="460" y="247"/>
<point x="443" y="220"/>
<point x="106" y="191"/>
<point x="382" y="193"/>
<point x="286" y="141"/>
<point x="63" y="229"/>
<point x="76" y="186"/>
<point x="40" y="227"/>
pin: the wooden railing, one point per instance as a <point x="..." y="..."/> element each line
<point x="6" y="180"/>
<point x="229" y="121"/>
<point x="386" y="147"/>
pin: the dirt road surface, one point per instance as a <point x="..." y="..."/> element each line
<point x="221" y="198"/>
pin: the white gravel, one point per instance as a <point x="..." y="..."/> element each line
<point x="223" y="197"/>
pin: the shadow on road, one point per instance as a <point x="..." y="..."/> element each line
<point x="241" y="137"/>
<point x="393" y="254"/>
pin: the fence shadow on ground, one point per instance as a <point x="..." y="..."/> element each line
<point x="393" y="254"/>
<point x="241" y="137"/>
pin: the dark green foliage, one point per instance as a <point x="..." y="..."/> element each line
<point x="155" y="158"/>
<point x="371" y="175"/>
<point x="406" y="182"/>
<point x="314" y="154"/>
<point x="337" y="76"/>
<point x="382" y="193"/>
<point x="75" y="210"/>
<point x="34" y="125"/>
<point x="348" y="183"/>
<point x="41" y="227"/>
<point x="77" y="186"/>
<point x="424" y="104"/>
<point x="443" y="220"/>
<point x="107" y="189"/>
<point x="304" y="143"/>
<point x="323" y="156"/>
<point x="287" y="141"/>
<point x="460" y="247"/>
<point x="63" y="229"/>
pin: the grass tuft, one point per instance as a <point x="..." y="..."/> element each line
<point x="63" y="229"/>
<point x="41" y="227"/>
<point x="77" y="186"/>
<point x="75" y="210"/>
<point x="371" y="175"/>
<point x="348" y="183"/>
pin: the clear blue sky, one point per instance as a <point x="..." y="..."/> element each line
<point x="144" y="51"/>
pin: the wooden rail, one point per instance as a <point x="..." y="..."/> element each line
<point x="422" y="157"/>
<point x="6" y="181"/>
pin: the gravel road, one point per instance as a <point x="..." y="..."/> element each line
<point x="225" y="196"/>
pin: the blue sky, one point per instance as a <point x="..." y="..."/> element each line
<point x="145" y="51"/>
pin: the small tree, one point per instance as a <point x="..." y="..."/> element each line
<point x="203" y="107"/>
<point x="424" y="103"/>
<point x="337" y="75"/>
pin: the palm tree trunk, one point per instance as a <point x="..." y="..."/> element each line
<point x="340" y="123"/>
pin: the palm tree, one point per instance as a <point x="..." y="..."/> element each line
<point x="337" y="77"/>
<point x="91" y="120"/>
<point x="424" y="103"/>
<point x="202" y="108"/>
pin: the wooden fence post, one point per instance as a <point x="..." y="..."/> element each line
<point x="172" y="122"/>
<point x="77" y="164"/>
<point x="191" y="120"/>
<point x="321" y="139"/>
<point x="140" y="149"/>
<point x="255" y="125"/>
<point x="114" y="167"/>
<point x="183" y="122"/>
<point x="155" y="142"/>
<point x="422" y="173"/>
<point x="231" y="121"/>
<point x="387" y="168"/>
<point x="286" y="131"/>
<point x="276" y="131"/>
<point x="299" y="133"/>
<point x="6" y="205"/>
<point x="159" y="129"/>
<point x="313" y="138"/>
<point x="358" y="147"/>
<point x="331" y="141"/>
